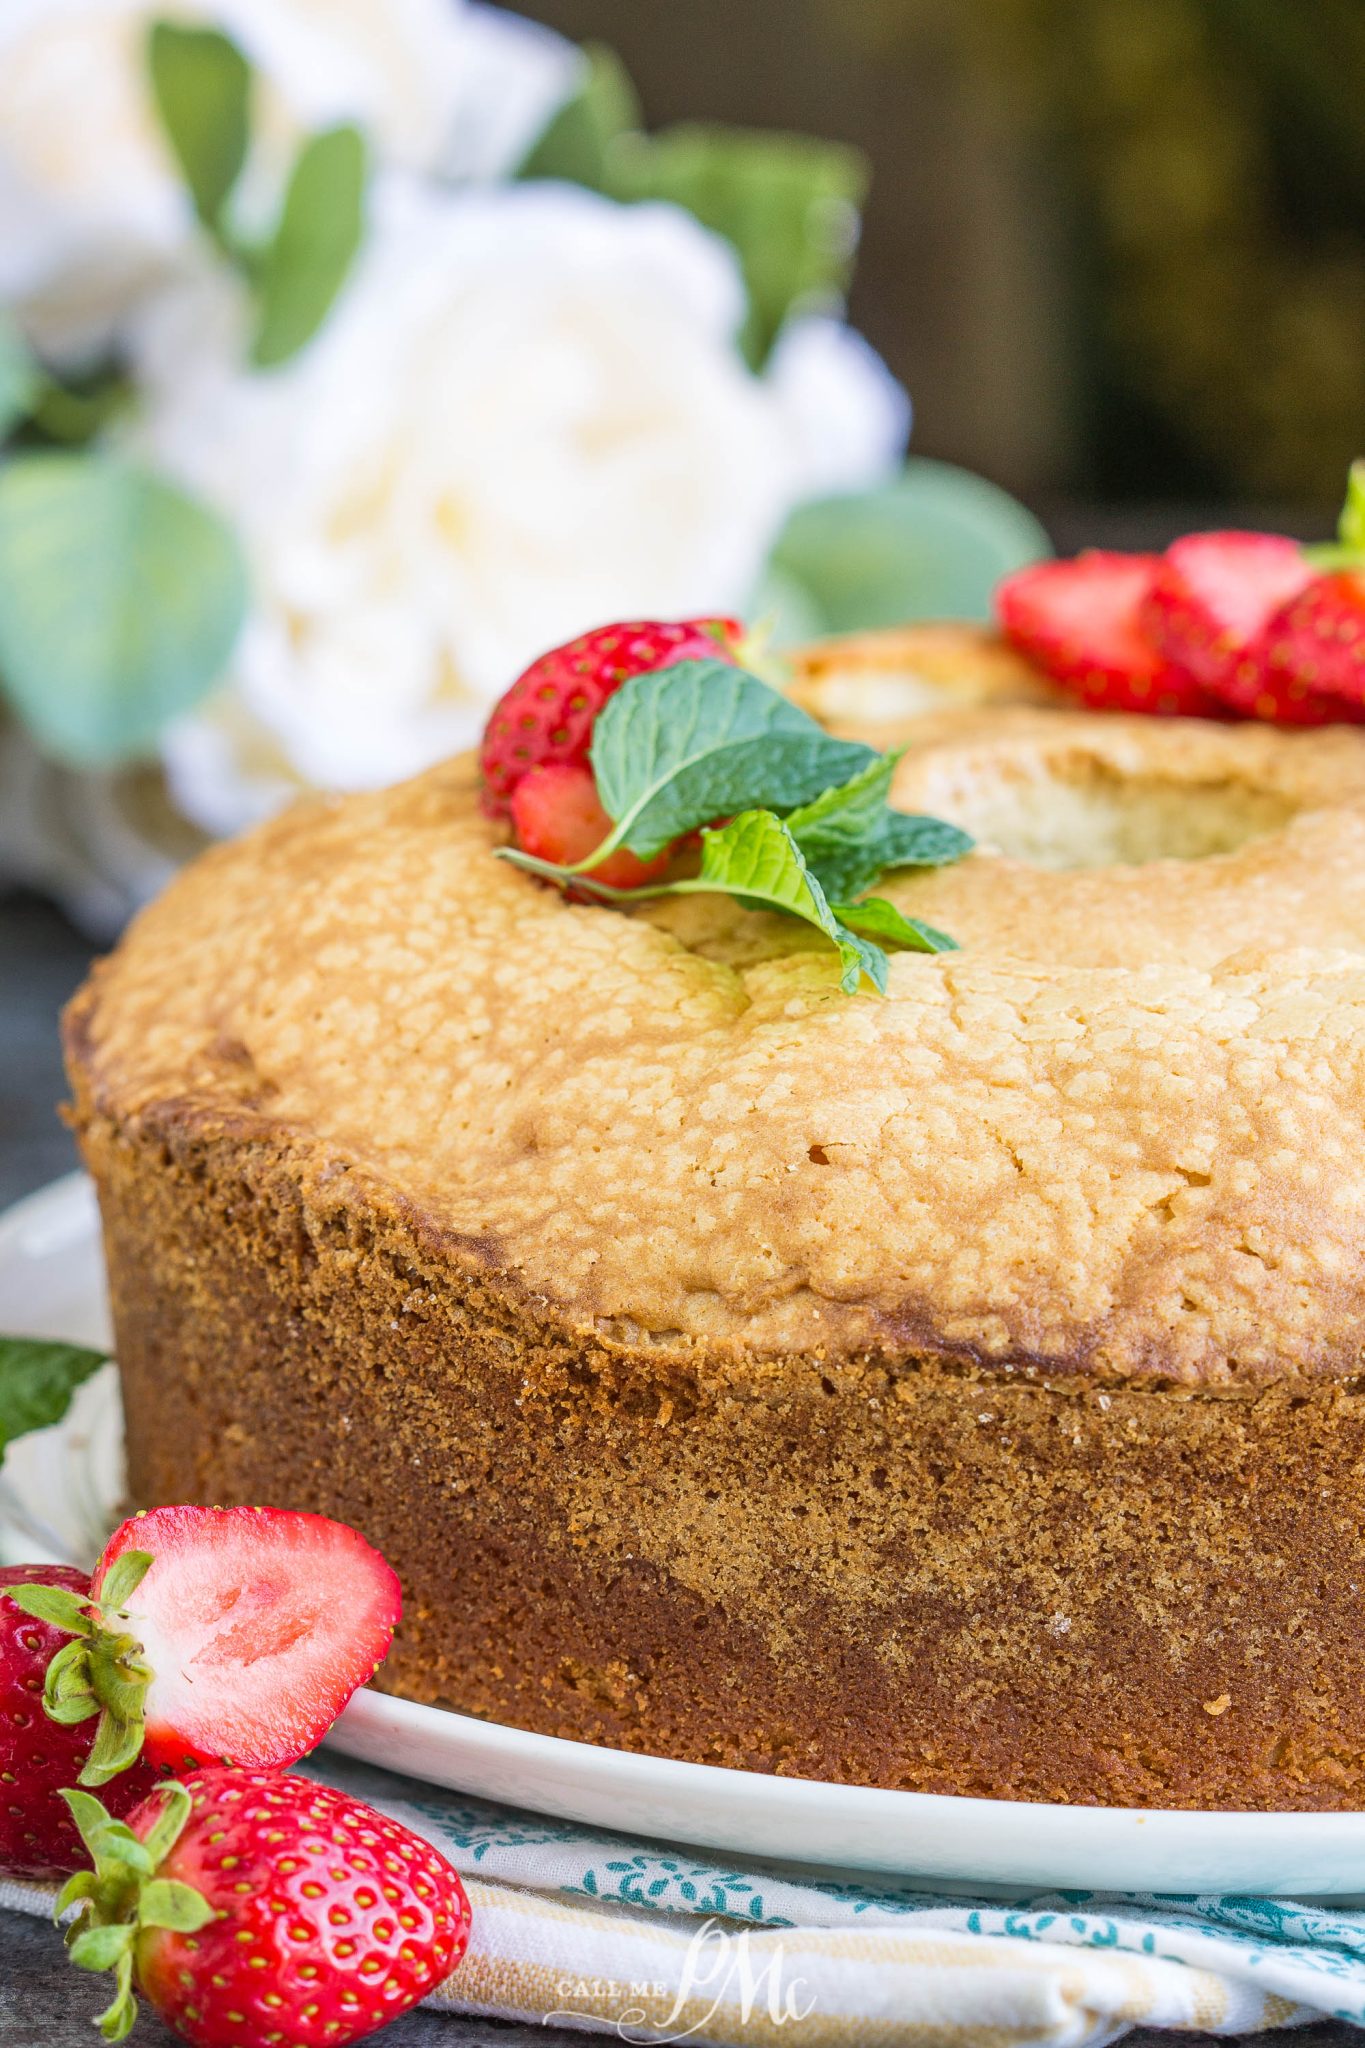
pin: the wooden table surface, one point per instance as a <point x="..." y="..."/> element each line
<point x="44" y="2003"/>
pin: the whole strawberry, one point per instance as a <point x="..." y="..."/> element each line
<point x="38" y="1756"/>
<point x="254" y="1910"/>
<point x="547" y="715"/>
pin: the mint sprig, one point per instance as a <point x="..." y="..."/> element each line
<point x="702" y="740"/>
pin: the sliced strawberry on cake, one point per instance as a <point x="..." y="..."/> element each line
<point x="1210" y="599"/>
<point x="1081" y="621"/>
<point x="547" y="716"/>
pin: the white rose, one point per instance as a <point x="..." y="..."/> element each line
<point x="527" y="414"/>
<point x="91" y="207"/>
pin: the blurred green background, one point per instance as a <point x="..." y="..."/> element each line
<point x="1115" y="248"/>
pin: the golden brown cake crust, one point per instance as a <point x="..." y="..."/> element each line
<point x="1118" y="1134"/>
<point x="958" y="1392"/>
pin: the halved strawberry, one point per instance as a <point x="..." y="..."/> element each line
<point x="1210" y="598"/>
<point x="1081" y="621"/>
<point x="1317" y="642"/>
<point x="547" y="715"/>
<point x="557" y="817"/>
<point x="232" y="1635"/>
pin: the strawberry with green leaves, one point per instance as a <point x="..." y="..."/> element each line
<point x="807" y="826"/>
<point x="255" y="1910"/>
<point x="203" y="1635"/>
<point x="546" y="718"/>
<point x="39" y="1755"/>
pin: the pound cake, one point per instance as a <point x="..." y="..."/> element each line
<point x="959" y="1390"/>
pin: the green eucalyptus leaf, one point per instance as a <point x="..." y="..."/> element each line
<point x="933" y="544"/>
<point x="788" y="205"/>
<point x="319" y="231"/>
<point x="20" y="378"/>
<point x="576" y="145"/>
<point x="876" y="919"/>
<point x="201" y="83"/>
<point x="120" y="599"/>
<point x="701" y="740"/>
<point x="38" y="1378"/>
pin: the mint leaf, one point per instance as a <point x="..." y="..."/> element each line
<point x="202" y="86"/>
<point x="850" y="836"/>
<point x="37" y="1380"/>
<point x="119" y="602"/>
<point x="320" y="228"/>
<point x="755" y="858"/>
<point x="701" y="740"/>
<point x="577" y="143"/>
<point x="20" y="380"/>
<point x="878" y="919"/>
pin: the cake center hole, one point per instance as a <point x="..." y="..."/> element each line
<point x="1083" y="813"/>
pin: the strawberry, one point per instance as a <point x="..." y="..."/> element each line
<point x="1210" y="598"/>
<point x="557" y="817"/>
<point x="232" y="1634"/>
<point x="1316" y="642"/>
<point x="254" y="1910"/>
<point x="37" y="1755"/>
<point x="547" y="715"/>
<point x="1081" y="621"/>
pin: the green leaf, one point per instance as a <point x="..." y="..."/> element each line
<point x="319" y="231"/>
<point x="20" y="378"/>
<point x="877" y="919"/>
<point x="788" y="205"/>
<point x="117" y="2020"/>
<point x="119" y="602"/>
<point x="80" y="1885"/>
<point x="931" y="545"/>
<point x="90" y="1815"/>
<point x="701" y="740"/>
<point x="169" y="1824"/>
<point x="202" y="86"/>
<point x="37" y="1381"/>
<point x="1351" y="527"/>
<point x="850" y="836"/>
<point x="576" y="145"/>
<point x="99" y="1948"/>
<point x="117" y="1744"/>
<point x="123" y="1578"/>
<point x="54" y="1605"/>
<point x="755" y="858"/>
<point x="163" y="1902"/>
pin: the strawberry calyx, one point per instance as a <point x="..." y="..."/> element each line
<point x="103" y="1670"/>
<point x="123" y="1896"/>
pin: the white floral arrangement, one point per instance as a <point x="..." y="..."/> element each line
<point x="352" y="352"/>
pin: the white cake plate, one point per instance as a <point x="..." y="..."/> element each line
<point x="58" y="1491"/>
